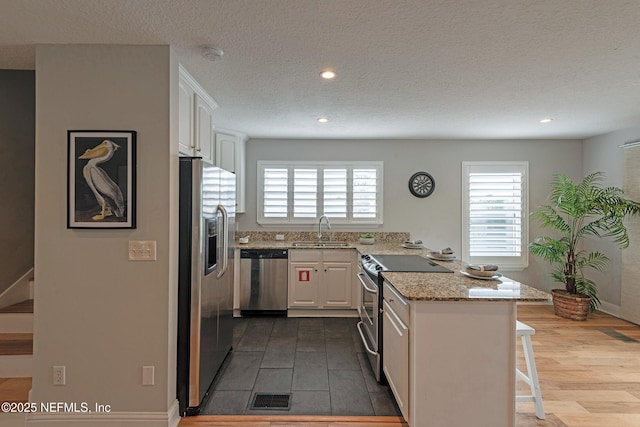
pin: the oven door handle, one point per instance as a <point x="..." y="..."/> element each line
<point x="364" y="285"/>
<point x="364" y="341"/>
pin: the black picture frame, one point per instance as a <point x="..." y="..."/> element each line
<point x="101" y="179"/>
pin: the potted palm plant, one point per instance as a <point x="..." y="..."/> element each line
<point x="575" y="212"/>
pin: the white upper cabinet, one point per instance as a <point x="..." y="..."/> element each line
<point x="197" y="135"/>
<point x="230" y="151"/>
<point x="204" y="131"/>
<point x="226" y="146"/>
<point x="185" y="118"/>
<point x="195" y="119"/>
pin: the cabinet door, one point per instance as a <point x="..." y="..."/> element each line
<point x="226" y="146"/>
<point x="204" y="130"/>
<point x="186" y="144"/>
<point x="396" y="357"/>
<point x="303" y="284"/>
<point x="337" y="284"/>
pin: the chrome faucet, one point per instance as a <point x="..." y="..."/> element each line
<point x="320" y="227"/>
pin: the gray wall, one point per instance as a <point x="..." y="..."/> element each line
<point x="601" y="153"/>
<point x="17" y="141"/>
<point x="97" y="313"/>
<point x="437" y="219"/>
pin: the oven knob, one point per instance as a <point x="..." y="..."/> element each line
<point x="366" y="257"/>
<point x="378" y="268"/>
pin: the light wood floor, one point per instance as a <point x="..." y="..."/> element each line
<point x="589" y="376"/>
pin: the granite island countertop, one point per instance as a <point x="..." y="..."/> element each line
<point x="458" y="287"/>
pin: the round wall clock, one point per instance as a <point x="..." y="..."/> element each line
<point x="421" y="184"/>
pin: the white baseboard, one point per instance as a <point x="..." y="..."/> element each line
<point x="302" y="312"/>
<point x="171" y="418"/>
<point x="609" y="308"/>
<point x="21" y="290"/>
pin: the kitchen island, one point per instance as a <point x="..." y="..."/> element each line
<point x="449" y="341"/>
<point x="450" y="346"/>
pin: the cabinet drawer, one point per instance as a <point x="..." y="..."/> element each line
<point x="338" y="255"/>
<point x="396" y="302"/>
<point x="305" y="255"/>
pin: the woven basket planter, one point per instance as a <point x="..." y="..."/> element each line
<point x="570" y="306"/>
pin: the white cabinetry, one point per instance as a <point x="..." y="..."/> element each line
<point x="395" y="330"/>
<point x="186" y="101"/>
<point x="450" y="363"/>
<point x="230" y="155"/>
<point x="195" y="118"/>
<point x="320" y="278"/>
<point x="204" y="142"/>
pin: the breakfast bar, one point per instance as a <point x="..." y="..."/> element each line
<point x="450" y="346"/>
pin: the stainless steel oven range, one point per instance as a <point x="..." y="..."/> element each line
<point x="370" y="305"/>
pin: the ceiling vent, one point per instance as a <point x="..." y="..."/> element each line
<point x="211" y="53"/>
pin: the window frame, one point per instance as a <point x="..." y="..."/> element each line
<point x="507" y="263"/>
<point x="320" y="166"/>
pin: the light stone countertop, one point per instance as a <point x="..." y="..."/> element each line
<point x="457" y="287"/>
<point x="430" y="286"/>
<point x="377" y="248"/>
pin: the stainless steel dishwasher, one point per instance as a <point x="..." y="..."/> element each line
<point x="264" y="281"/>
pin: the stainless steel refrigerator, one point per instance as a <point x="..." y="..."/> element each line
<point x="205" y="282"/>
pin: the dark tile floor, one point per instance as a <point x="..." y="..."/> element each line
<point x="320" y="361"/>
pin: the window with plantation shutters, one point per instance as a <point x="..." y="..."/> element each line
<point x="495" y="218"/>
<point x="300" y="192"/>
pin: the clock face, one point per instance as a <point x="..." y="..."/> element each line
<point x="421" y="184"/>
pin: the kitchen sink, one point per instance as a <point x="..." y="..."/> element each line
<point x="320" y="244"/>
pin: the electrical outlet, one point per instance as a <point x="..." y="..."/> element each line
<point x="279" y="236"/>
<point x="59" y="375"/>
<point x="142" y="250"/>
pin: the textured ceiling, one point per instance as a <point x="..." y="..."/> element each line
<point x="406" y="69"/>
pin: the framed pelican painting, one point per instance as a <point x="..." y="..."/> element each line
<point x="101" y="179"/>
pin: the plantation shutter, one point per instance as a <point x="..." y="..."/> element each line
<point x="495" y="219"/>
<point x="365" y="187"/>
<point x="275" y="197"/>
<point x="335" y="193"/>
<point x="305" y="193"/>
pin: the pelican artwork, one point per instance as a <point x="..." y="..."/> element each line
<point x="107" y="192"/>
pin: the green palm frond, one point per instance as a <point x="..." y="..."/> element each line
<point x="575" y="212"/>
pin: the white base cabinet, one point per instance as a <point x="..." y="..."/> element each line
<point x="395" y="330"/>
<point x="321" y="278"/>
<point x="451" y="363"/>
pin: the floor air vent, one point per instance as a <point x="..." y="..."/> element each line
<point x="280" y="401"/>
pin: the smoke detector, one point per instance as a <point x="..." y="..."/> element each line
<point x="211" y="53"/>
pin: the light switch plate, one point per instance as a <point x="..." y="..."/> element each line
<point x="148" y="375"/>
<point x="142" y="250"/>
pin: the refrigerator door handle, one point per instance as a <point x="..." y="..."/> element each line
<point x="225" y="240"/>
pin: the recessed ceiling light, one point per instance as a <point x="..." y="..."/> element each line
<point x="323" y="119"/>
<point x="547" y="120"/>
<point x="327" y="74"/>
